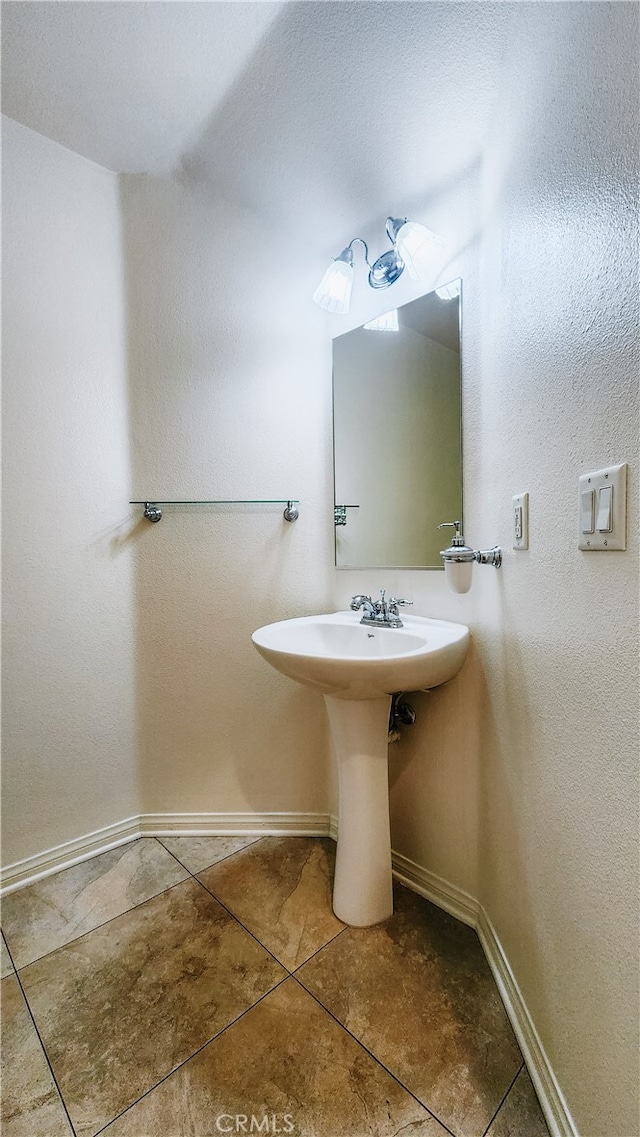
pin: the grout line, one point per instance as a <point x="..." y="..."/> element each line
<point x="226" y="907"/>
<point x="13" y="966"/>
<point x="318" y="950"/>
<point x="254" y="936"/>
<point x="162" y="891"/>
<point x="206" y="867"/>
<point x="111" y="918"/>
<point x="372" y="1055"/>
<point x="512" y="1084"/>
<point x="214" y="1038"/>
<point x="243" y="926"/>
<point x="39" y="1037"/>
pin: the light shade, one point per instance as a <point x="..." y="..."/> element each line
<point x="449" y="291"/>
<point x="418" y="248"/>
<point x="388" y="322"/>
<point x="334" y="291"/>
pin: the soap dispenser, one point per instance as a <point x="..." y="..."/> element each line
<point x="459" y="558"/>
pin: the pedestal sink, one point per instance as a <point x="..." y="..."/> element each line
<point x="357" y="668"/>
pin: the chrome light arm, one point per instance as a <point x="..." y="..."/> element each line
<point x="347" y="256"/>
<point x="389" y="266"/>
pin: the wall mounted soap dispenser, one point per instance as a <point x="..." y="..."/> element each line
<point x="459" y="559"/>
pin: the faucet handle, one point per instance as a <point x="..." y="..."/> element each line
<point x="394" y="604"/>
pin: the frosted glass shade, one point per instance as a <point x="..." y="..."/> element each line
<point x="418" y="248"/>
<point x="385" y="323"/>
<point x="334" y="291"/>
<point x="449" y="291"/>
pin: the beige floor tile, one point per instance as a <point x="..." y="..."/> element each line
<point x="31" y="1105"/>
<point x="417" y="991"/>
<point x="287" y="1061"/>
<point x="54" y="911"/>
<point x="281" y="889"/>
<point x="520" y="1115"/>
<point x="197" y="853"/>
<point x="6" y="966"/>
<point x="124" y="1005"/>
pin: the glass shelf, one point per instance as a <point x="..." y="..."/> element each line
<point x="223" y="501"/>
<point x="153" y="511"/>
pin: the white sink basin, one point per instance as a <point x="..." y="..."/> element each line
<point x="357" y="668"/>
<point x="337" y="655"/>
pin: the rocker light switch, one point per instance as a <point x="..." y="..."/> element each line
<point x="586" y="511"/>
<point x="603" y="509"/>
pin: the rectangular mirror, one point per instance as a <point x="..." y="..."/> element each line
<point x="397" y="435"/>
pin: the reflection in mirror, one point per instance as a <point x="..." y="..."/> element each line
<point x="397" y="435"/>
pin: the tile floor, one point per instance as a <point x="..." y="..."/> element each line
<point x="197" y="986"/>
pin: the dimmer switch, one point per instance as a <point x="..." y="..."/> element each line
<point x="603" y="509"/>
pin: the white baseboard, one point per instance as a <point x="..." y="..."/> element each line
<point x="70" y="853"/>
<point x="454" y="900"/>
<point x="80" y="849"/>
<point x="554" y="1106"/>
<point x="465" y="908"/>
<point x="236" y="824"/>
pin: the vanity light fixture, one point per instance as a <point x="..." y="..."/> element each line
<point x="459" y="559"/>
<point x="414" y="247"/>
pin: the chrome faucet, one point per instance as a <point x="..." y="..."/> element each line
<point x="359" y="601"/>
<point x="381" y="613"/>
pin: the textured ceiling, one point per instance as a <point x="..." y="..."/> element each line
<point x="338" y="111"/>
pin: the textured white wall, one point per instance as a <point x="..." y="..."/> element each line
<point x="68" y="698"/>
<point x="555" y="394"/>
<point x="230" y="398"/>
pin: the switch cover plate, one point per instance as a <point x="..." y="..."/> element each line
<point x="520" y="515"/>
<point x="604" y="527"/>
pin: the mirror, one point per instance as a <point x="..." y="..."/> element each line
<point x="397" y="426"/>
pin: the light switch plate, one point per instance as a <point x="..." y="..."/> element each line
<point x="520" y="521"/>
<point x="604" y="540"/>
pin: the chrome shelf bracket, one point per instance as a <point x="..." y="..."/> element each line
<point x="340" y="513"/>
<point x="152" y="512"/>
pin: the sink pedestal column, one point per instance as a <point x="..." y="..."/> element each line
<point x="362" y="892"/>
